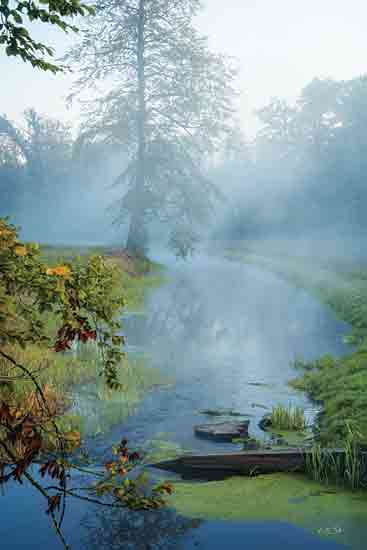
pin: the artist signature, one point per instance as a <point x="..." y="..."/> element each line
<point x="330" y="531"/>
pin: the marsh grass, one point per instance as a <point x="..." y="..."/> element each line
<point x="101" y="408"/>
<point x="347" y="468"/>
<point x="339" y="385"/>
<point x="288" y="418"/>
<point x="60" y="371"/>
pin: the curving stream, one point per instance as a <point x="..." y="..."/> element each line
<point x="227" y="334"/>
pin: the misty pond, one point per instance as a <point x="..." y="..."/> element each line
<point x="226" y="335"/>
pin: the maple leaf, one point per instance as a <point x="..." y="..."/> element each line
<point x="60" y="270"/>
<point x="53" y="503"/>
<point x="20" y="250"/>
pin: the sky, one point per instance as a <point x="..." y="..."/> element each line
<point x="279" y="45"/>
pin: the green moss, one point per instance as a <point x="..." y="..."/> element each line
<point x="279" y="497"/>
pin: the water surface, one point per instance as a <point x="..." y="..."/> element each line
<point x="228" y="334"/>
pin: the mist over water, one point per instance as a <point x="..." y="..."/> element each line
<point x="258" y="221"/>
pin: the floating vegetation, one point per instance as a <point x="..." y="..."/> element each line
<point x="292" y="498"/>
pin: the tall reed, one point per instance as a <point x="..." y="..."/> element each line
<point x="288" y="418"/>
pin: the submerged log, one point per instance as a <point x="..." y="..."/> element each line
<point x="224" y="431"/>
<point x="244" y="463"/>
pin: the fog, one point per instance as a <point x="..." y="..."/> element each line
<point x="226" y="141"/>
<point x="297" y="176"/>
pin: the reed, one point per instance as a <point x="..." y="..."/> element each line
<point x="288" y="418"/>
<point x="348" y="469"/>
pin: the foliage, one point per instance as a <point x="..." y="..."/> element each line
<point x="16" y="38"/>
<point x="79" y="295"/>
<point x="339" y="384"/>
<point x="36" y="165"/>
<point x="310" y="152"/>
<point x="82" y="297"/>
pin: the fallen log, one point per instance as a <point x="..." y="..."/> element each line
<point x="243" y="463"/>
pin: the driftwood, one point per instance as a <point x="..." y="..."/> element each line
<point x="224" y="431"/>
<point x="216" y="466"/>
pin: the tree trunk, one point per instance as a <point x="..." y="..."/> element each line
<point x="137" y="237"/>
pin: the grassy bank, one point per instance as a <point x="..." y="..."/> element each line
<point x="339" y="384"/>
<point x="60" y="373"/>
<point x="136" y="274"/>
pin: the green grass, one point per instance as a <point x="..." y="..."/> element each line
<point x="288" y="418"/>
<point x="340" y="385"/>
<point x="135" y="288"/>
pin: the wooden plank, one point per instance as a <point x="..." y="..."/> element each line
<point x="245" y="463"/>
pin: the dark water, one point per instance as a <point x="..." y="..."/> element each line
<point x="220" y="329"/>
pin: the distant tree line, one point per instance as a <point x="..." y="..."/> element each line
<point x="306" y="169"/>
<point x="44" y="172"/>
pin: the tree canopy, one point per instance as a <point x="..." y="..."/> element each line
<point x="16" y="35"/>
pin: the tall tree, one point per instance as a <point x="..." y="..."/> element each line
<point x="169" y="104"/>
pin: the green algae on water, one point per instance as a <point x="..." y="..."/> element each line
<point x="278" y="497"/>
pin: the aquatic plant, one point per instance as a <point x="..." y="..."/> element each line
<point x="291" y="498"/>
<point x="346" y="467"/>
<point x="287" y="418"/>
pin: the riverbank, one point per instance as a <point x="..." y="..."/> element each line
<point x="338" y="384"/>
<point x="60" y="373"/>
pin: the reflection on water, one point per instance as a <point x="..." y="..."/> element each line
<point x="229" y="334"/>
<point x="221" y="329"/>
<point x="154" y="530"/>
